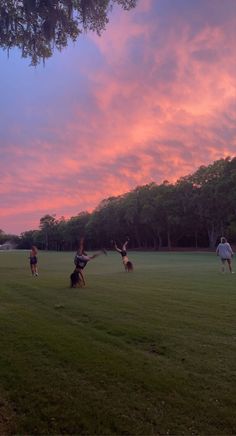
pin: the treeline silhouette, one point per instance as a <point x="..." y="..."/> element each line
<point x="193" y="212"/>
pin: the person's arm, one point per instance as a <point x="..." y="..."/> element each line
<point x="116" y="248"/>
<point x="230" y="249"/>
<point x="125" y="245"/>
<point x="94" y="255"/>
<point x="217" y="250"/>
<point x="85" y="258"/>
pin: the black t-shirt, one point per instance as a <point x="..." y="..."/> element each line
<point x="81" y="261"/>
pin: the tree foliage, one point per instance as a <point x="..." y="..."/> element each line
<point x="37" y="27"/>
<point x="193" y="212"/>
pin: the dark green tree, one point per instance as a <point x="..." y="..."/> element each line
<point x="37" y="27"/>
<point x="195" y="211"/>
<point x="29" y="238"/>
<point x="213" y="205"/>
<point x="76" y="228"/>
<point x="47" y="226"/>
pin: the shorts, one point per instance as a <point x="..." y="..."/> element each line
<point x="33" y="260"/>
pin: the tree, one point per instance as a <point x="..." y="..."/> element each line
<point x="213" y="204"/>
<point x="76" y="228"/>
<point x="191" y="222"/>
<point x="104" y="224"/>
<point x="39" y="26"/>
<point x="47" y="226"/>
<point x="29" y="238"/>
<point x="194" y="211"/>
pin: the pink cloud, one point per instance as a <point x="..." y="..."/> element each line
<point x="159" y="103"/>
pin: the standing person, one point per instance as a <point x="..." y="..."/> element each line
<point x="34" y="261"/>
<point x="123" y="251"/>
<point x="225" y="252"/>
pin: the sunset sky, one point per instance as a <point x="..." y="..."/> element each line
<point x="151" y="99"/>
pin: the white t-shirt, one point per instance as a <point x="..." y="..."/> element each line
<point x="224" y="250"/>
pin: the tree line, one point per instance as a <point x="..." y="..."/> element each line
<point x="193" y="212"/>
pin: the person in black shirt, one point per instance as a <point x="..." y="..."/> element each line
<point x="81" y="259"/>
<point x="123" y="251"/>
<point x="33" y="261"/>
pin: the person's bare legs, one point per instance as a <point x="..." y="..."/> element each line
<point x="34" y="269"/>
<point x="229" y="265"/>
<point x="222" y="266"/>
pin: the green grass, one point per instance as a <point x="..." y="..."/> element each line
<point x="151" y="352"/>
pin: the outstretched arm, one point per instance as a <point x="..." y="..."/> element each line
<point x="125" y="245"/>
<point x="116" y="248"/>
<point x="94" y="255"/>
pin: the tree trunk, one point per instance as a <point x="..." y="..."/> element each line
<point x="155" y="244"/>
<point x="46" y="241"/>
<point x="213" y="234"/>
<point x="137" y="237"/>
<point x="168" y="240"/>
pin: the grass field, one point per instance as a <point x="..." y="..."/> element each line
<point x="151" y="352"/>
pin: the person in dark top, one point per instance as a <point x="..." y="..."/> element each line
<point x="123" y="252"/>
<point x="81" y="259"/>
<point x="34" y="261"/>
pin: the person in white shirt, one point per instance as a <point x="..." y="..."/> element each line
<point x="225" y="252"/>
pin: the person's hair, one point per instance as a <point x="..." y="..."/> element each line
<point x="129" y="266"/>
<point x="34" y="249"/>
<point x="223" y="239"/>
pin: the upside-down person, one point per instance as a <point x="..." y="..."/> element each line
<point x="123" y="251"/>
<point x="81" y="259"/>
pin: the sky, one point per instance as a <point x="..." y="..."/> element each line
<point x="151" y="99"/>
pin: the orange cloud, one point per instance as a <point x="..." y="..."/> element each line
<point x="157" y="100"/>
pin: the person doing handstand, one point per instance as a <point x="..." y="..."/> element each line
<point x="81" y="259"/>
<point x="126" y="262"/>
